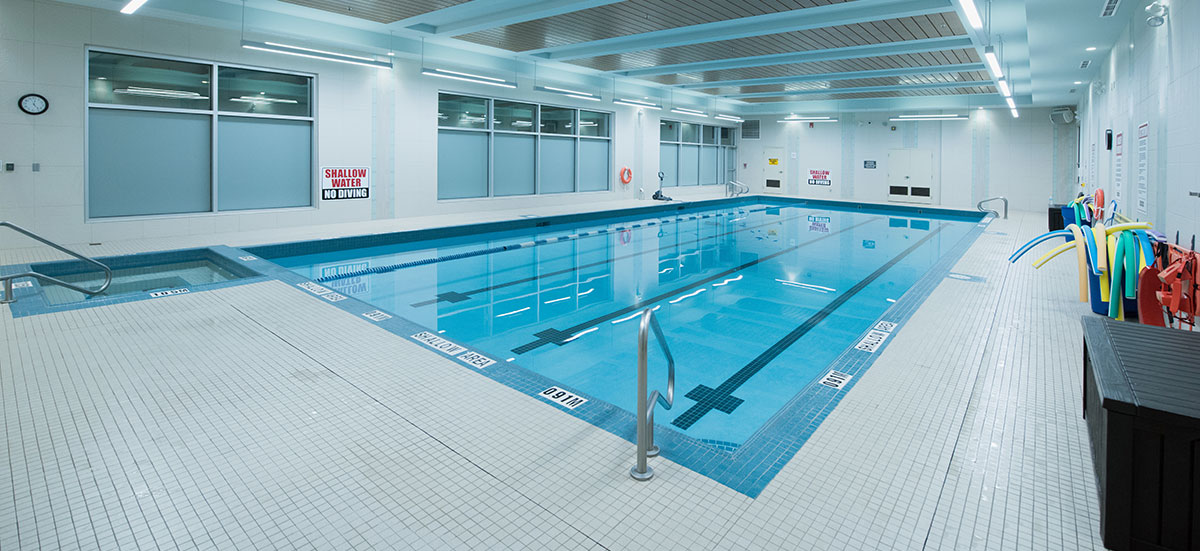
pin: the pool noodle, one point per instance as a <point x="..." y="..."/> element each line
<point x="1131" y="264"/>
<point x="1053" y="253"/>
<point x="1089" y="236"/>
<point x="1044" y="237"/>
<point x="1081" y="259"/>
<point x="1117" y="246"/>
<point x="1107" y="247"/>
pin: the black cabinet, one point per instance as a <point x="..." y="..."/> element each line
<point x="1141" y="400"/>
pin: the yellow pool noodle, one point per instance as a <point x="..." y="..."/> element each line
<point x="1129" y="226"/>
<point x="1053" y="253"/>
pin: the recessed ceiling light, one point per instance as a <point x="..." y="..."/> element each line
<point x="1079" y="82"/>
<point x="1091" y="48"/>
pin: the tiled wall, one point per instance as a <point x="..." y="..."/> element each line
<point x="365" y="117"/>
<point x="1150" y="78"/>
<point x="1027" y="160"/>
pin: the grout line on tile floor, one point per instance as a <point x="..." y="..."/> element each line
<point x="440" y="442"/>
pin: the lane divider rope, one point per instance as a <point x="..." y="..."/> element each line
<point x="513" y="247"/>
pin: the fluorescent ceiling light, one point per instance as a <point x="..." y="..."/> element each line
<point x="993" y="62"/>
<point x="1091" y="48"/>
<point x="729" y="118"/>
<point x="468" y="77"/>
<point x="159" y="93"/>
<point x="132" y="6"/>
<point x="972" y="14"/>
<point x="1004" y="89"/>
<point x="935" y="116"/>
<point x="1011" y="103"/>
<point x="568" y="92"/>
<point x="262" y="99"/>
<point x="315" y="54"/>
<point x="913" y="119"/>
<point x="801" y="118"/>
<point x="1078" y="82"/>
<point x="1015" y="114"/>
<point x="687" y="111"/>
<point x="638" y="103"/>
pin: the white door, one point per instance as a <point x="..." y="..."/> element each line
<point x="910" y="176"/>
<point x="773" y="170"/>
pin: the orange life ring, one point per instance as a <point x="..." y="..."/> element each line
<point x="626" y="175"/>
<point x="626" y="236"/>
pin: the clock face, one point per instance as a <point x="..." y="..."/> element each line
<point x="34" y="104"/>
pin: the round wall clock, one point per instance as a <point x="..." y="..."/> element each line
<point x="33" y="104"/>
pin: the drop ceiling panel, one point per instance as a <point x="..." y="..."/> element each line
<point x="876" y="32"/>
<point x="627" y="18"/>
<point x="948" y="57"/>
<point x="380" y="11"/>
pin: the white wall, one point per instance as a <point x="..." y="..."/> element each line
<point x="1027" y="159"/>
<point x="365" y="117"/>
<point x="1150" y="77"/>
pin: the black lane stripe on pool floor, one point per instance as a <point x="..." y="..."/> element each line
<point x="555" y="336"/>
<point x="722" y="399"/>
<point x="454" y="296"/>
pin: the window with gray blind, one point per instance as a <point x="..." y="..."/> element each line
<point x="175" y="136"/>
<point x="692" y="154"/>
<point x="491" y="147"/>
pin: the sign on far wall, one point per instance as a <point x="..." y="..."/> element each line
<point x="819" y="177"/>
<point x="868" y="164"/>
<point x="340" y="182"/>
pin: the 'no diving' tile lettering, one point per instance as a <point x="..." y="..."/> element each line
<point x="885" y="326"/>
<point x="172" y="292"/>
<point x="247" y="258"/>
<point x="333" y="297"/>
<point x="441" y="345"/>
<point x="562" y="397"/>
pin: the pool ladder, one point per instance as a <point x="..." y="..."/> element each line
<point x="8" y="279"/>
<point x="735" y="188"/>
<point x="646" y="403"/>
<point x="979" y="205"/>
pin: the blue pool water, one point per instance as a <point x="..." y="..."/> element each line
<point x="756" y="300"/>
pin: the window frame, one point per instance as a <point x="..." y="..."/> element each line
<point x="722" y="151"/>
<point x="214" y="113"/>
<point x="537" y="135"/>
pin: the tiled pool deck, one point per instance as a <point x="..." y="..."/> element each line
<point x="260" y="416"/>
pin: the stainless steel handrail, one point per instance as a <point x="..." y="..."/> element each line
<point x="735" y="188"/>
<point x="8" y="279"/>
<point x="997" y="198"/>
<point x="647" y="403"/>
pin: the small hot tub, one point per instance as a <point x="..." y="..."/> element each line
<point x="139" y="274"/>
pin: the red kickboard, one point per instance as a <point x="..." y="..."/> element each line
<point x="1150" y="310"/>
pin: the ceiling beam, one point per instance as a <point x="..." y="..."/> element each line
<point x="907" y="104"/>
<point x="832" y="54"/>
<point x="853" y="75"/>
<point x="864" y="89"/>
<point x="479" y="15"/>
<point x="846" y="13"/>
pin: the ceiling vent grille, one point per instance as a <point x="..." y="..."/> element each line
<point x="751" y="129"/>
<point x="1110" y="8"/>
<point x="1086" y="63"/>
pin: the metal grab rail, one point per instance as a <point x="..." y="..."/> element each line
<point x="647" y="403"/>
<point x="8" y="279"/>
<point x="997" y="198"/>
<point x="735" y="188"/>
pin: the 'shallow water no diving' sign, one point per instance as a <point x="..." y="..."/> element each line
<point x="345" y="182"/>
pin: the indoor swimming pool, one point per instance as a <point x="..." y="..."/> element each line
<point x="758" y="301"/>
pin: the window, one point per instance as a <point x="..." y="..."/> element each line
<point x="695" y="154"/>
<point x="251" y="148"/>
<point x="527" y="149"/>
